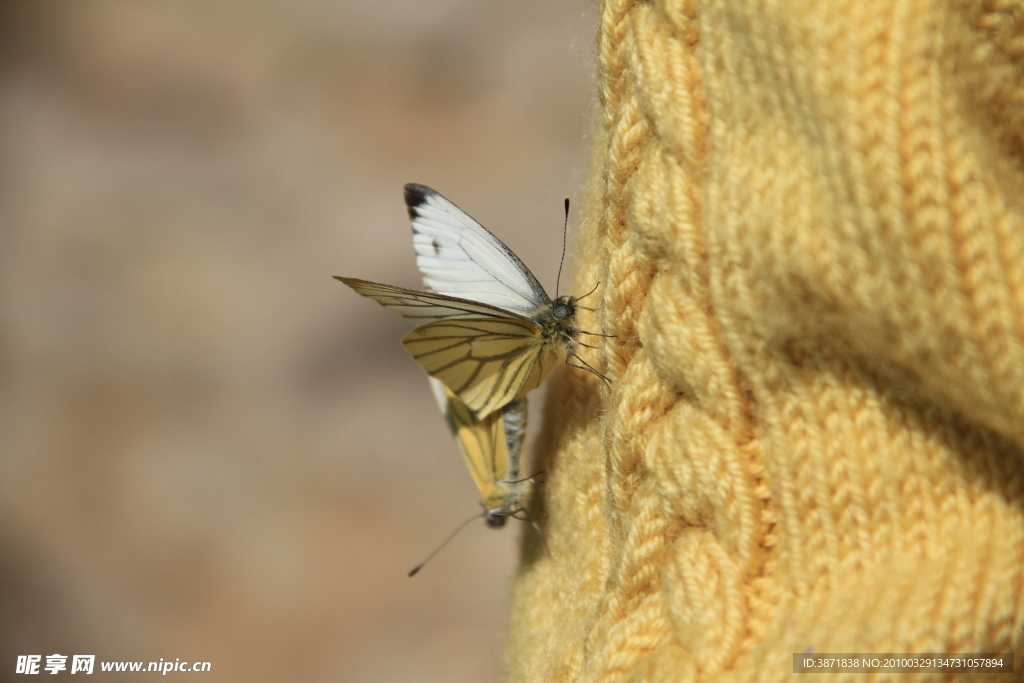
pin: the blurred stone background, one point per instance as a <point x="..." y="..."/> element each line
<point x="209" y="449"/>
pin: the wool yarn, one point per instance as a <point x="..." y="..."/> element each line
<point x="807" y="217"/>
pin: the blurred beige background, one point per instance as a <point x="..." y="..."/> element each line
<point x="209" y="449"/>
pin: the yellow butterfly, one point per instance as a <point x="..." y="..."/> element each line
<point x="487" y="330"/>
<point x="490" y="447"/>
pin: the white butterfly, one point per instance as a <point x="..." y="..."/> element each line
<point x="487" y="330"/>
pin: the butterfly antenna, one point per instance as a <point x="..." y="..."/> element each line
<point x="590" y="292"/>
<point x="412" y="572"/>
<point x="565" y="230"/>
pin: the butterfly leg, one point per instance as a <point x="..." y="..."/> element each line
<point x="527" y="518"/>
<point x="516" y="481"/>
<point x="585" y="366"/>
<point x="594" y="334"/>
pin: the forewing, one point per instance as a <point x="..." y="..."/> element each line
<point x="459" y="257"/>
<point x="419" y="307"/>
<point x="486" y="362"/>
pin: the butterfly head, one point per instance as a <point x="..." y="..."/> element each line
<point x="506" y="499"/>
<point x="563" y="308"/>
<point x="495" y="519"/>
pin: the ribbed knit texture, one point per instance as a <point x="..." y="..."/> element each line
<point x="808" y="221"/>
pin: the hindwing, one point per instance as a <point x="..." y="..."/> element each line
<point x="486" y="362"/>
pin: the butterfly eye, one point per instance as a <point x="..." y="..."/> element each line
<point x="559" y="312"/>
<point x="493" y="520"/>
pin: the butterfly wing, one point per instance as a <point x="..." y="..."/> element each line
<point x="459" y="257"/>
<point x="488" y="356"/>
<point x="422" y="307"/>
<point x="490" y="446"/>
<point x="486" y="362"/>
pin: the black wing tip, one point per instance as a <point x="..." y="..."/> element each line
<point x="416" y="195"/>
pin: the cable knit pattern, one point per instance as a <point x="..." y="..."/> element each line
<point x="808" y="221"/>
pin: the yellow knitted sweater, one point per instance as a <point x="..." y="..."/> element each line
<point x="807" y="217"/>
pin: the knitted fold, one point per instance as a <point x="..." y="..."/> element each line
<point x="808" y="222"/>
